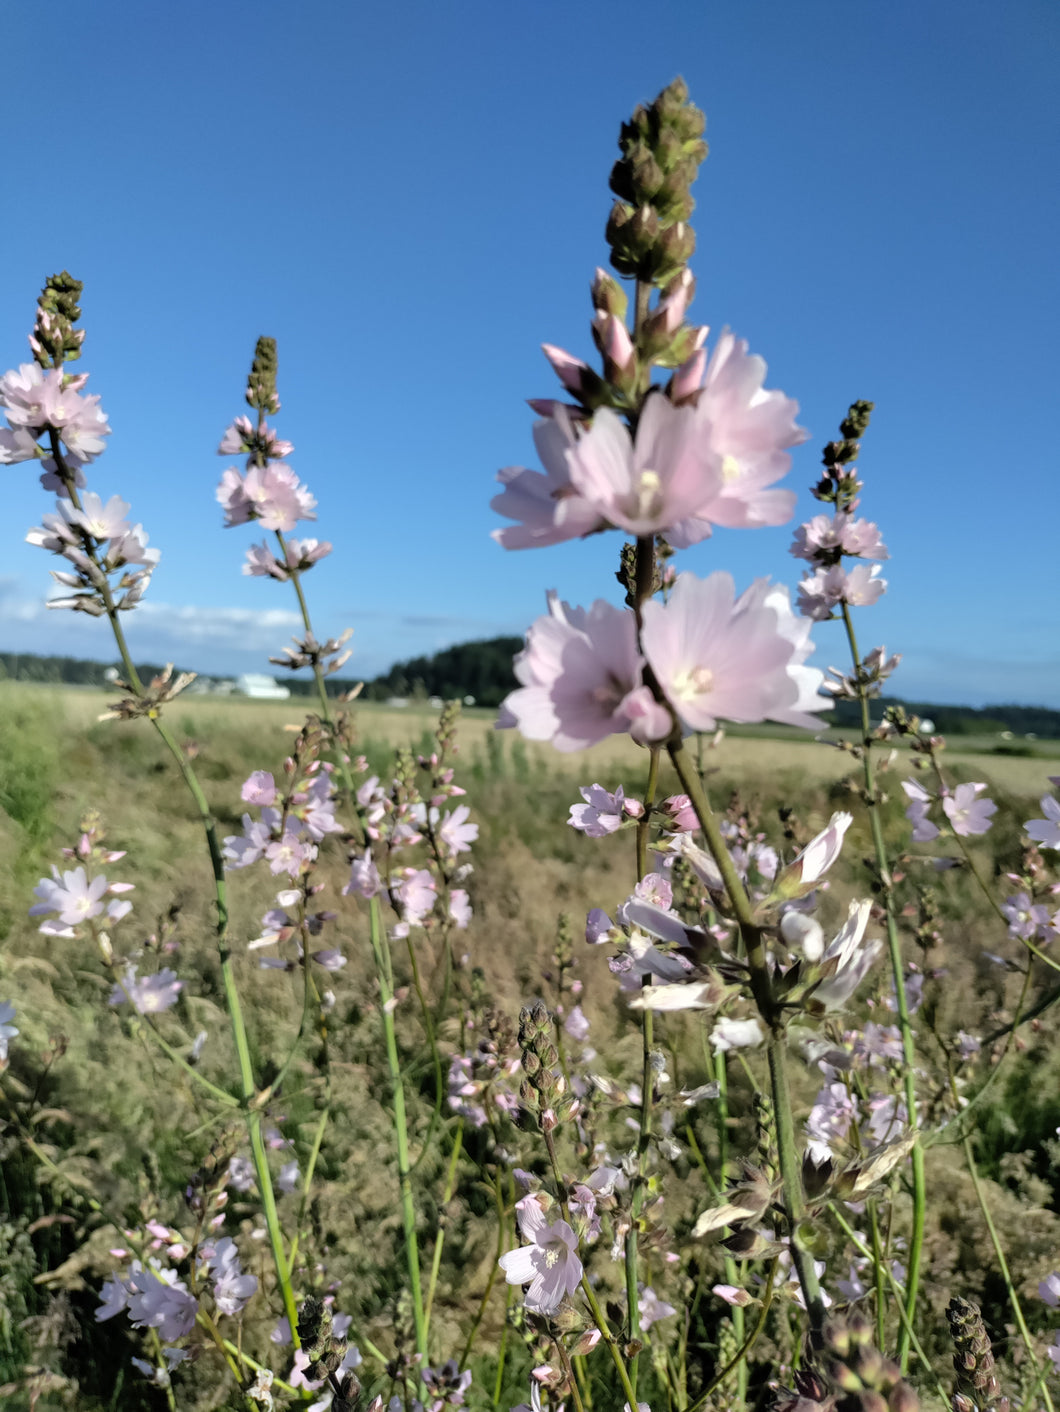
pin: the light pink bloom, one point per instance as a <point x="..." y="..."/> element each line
<point x="648" y="484"/>
<point x="825" y="537"/>
<point x="416" y="894"/>
<point x="7" y="1029"/>
<point x="259" y="788"/>
<point x="150" y="995"/>
<point x="745" y="430"/>
<point x="859" y="587"/>
<point x="715" y="656"/>
<point x="459" y="908"/>
<point x="735" y="1034"/>
<point x="852" y="959"/>
<point x="272" y="494"/>
<point x="581" y="680"/>
<point x="304" y="553"/>
<point x="364" y="877"/>
<point x="1046" y="831"/>
<point x="546" y="505"/>
<point x="967" y="814"/>
<point x="651" y="1308"/>
<point x="261" y="562"/>
<point x="17" y="444"/>
<point x="99" y="520"/>
<point x="74" y="898"/>
<point x="549" y="1264"/>
<point x="821" y="852"/>
<point x="601" y="814"/>
<point x="455" y="834"/>
<point x="1049" y="1290"/>
<point x="921" y="801"/>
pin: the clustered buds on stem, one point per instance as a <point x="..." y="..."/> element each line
<point x="977" y="1388"/>
<point x="54" y="339"/>
<point x="852" y="1376"/>
<point x="839" y="485"/>
<point x="662" y="146"/>
<point x="544" y="1090"/>
<point x="261" y="385"/>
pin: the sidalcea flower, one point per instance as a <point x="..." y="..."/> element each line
<point x="154" y="1298"/>
<point x="847" y="960"/>
<point x="647" y="483"/>
<point x="1046" y="831"/>
<point x="580" y="676"/>
<point x="745" y="431"/>
<point x="36" y="399"/>
<point x="549" y="1264"/>
<point x="717" y="656"/>
<point x="271" y="493"/>
<point x="76" y="900"/>
<point x="920" y="802"/>
<point x="545" y="505"/>
<point x="968" y="815"/>
<point x="824" y="538"/>
<point x="601" y="814"/>
<point x="7" y="1029"/>
<point x="824" y="590"/>
<point x="149" y="994"/>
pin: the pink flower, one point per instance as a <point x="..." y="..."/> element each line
<point x="364" y="877"/>
<point x="261" y="562"/>
<point x="822" y="851"/>
<point x="149" y="994"/>
<point x="923" y="829"/>
<point x="546" y="505"/>
<point x="601" y="814"/>
<point x="459" y="908"/>
<point x="1046" y="831"/>
<point x="746" y="431"/>
<point x="715" y="656"/>
<point x="846" y="962"/>
<point x="416" y="894"/>
<point x="455" y="834"/>
<point x="549" y="1264"/>
<point x="859" y="587"/>
<point x="581" y="680"/>
<point x="74" y="898"/>
<point x="650" y="483"/>
<point x="825" y="537"/>
<point x="967" y="814"/>
<point x="260" y="788"/>
<point x="272" y="494"/>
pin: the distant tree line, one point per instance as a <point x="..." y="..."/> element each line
<point x="484" y="670"/>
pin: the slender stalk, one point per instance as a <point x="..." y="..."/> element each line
<point x="1002" y="1264"/>
<point x="738" y="1360"/>
<point x="612" y="1347"/>
<point x="408" y="1208"/>
<point x="776" y="1048"/>
<point x="439" y="1239"/>
<point x="894" y="948"/>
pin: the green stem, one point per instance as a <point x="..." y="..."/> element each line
<point x="894" y="948"/>
<point x="776" y="1051"/>
<point x="439" y="1239"/>
<point x="752" y="1338"/>
<point x="408" y="1209"/>
<point x="999" y="1254"/>
<point x="612" y="1347"/>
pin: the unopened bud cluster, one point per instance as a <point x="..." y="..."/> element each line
<point x="862" y="1378"/>
<point x="325" y="1350"/>
<point x="261" y="385"/>
<point x="662" y="146"/>
<point x="976" y="1388"/>
<point x="54" y="339"/>
<point x="543" y="1090"/>
<point x="839" y="485"/>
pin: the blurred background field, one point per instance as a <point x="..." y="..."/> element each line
<point x="119" y="1119"/>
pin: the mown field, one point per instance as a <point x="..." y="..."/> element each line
<point x="123" y="1132"/>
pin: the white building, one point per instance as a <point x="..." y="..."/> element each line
<point x="261" y="687"/>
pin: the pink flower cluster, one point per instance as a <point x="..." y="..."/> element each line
<point x="824" y="541"/>
<point x="77" y="900"/>
<point x="299" y="555"/>
<point x="271" y="493"/>
<point x="98" y="541"/>
<point x="709" y="461"/>
<point x="968" y="815"/>
<point x="154" y="1299"/>
<point x="286" y="836"/>
<point x="39" y="400"/>
<point x="713" y="656"/>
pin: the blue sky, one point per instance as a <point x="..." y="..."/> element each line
<point x="413" y="200"/>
